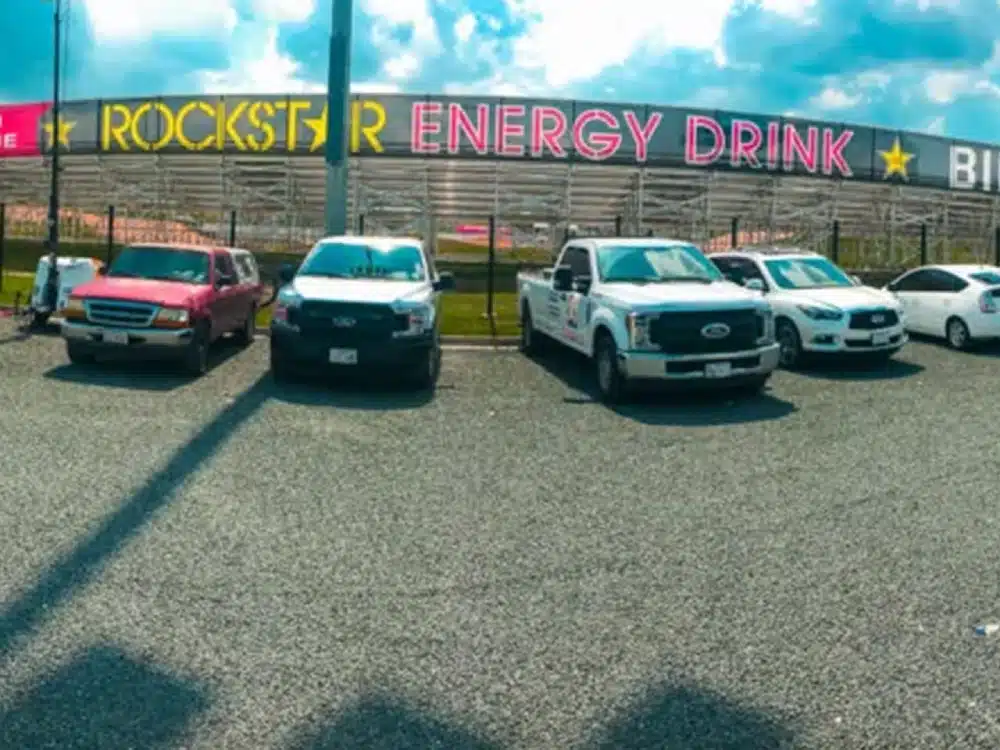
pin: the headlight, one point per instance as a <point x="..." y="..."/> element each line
<point x="638" y="325"/>
<point x="287" y="300"/>
<point x="821" y="313"/>
<point x="173" y="316"/>
<point x="417" y="320"/>
<point x="767" y="325"/>
<point x="74" y="309"/>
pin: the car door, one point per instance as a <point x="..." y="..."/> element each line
<point x="226" y="312"/>
<point x="941" y="301"/>
<point x="912" y="290"/>
<point x="575" y="304"/>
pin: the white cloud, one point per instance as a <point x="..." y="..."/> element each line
<point x="134" y="21"/>
<point x="464" y="27"/>
<point x="836" y="98"/>
<point x="265" y="71"/>
<point x="797" y="9"/>
<point x="402" y="66"/>
<point x="413" y="13"/>
<point x="935" y="126"/>
<point x="375" y="87"/>
<point x="284" y="11"/>
<point x="944" y="86"/>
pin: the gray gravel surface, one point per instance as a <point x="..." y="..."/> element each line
<point x="228" y="564"/>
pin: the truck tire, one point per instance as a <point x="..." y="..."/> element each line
<point x="78" y="356"/>
<point x="611" y="383"/>
<point x="246" y="333"/>
<point x="531" y="340"/>
<point x="280" y="371"/>
<point x="425" y="377"/>
<point x="195" y="361"/>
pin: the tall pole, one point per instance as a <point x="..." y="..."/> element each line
<point x="338" y="104"/>
<point x="53" y="221"/>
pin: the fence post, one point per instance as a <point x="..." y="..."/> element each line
<point x="618" y="226"/>
<point x="232" y="228"/>
<point x="835" y="242"/>
<point x="996" y="246"/>
<point x="361" y="224"/>
<point x="491" y="270"/>
<point x="923" y="244"/>
<point x="734" y="232"/>
<point x="111" y="236"/>
<point x="3" y="239"/>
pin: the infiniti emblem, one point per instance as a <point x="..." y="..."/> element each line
<point x="344" y="322"/>
<point x="715" y="331"/>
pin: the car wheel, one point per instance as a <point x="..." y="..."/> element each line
<point x="611" y="383"/>
<point x="196" y="356"/>
<point x="248" y="330"/>
<point x="280" y="369"/>
<point x="429" y="370"/>
<point x="77" y="355"/>
<point x="790" y="351"/>
<point x="957" y="333"/>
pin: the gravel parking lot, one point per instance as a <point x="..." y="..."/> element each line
<point x="230" y="564"/>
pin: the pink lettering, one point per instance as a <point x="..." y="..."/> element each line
<point x="477" y="133"/>
<point x="833" y="152"/>
<point x="773" y="141"/>
<point x="742" y="149"/>
<point x="691" y="153"/>
<point x="506" y="130"/>
<point x="806" y="152"/>
<point x="642" y="135"/>
<point x="597" y="146"/>
<point x="420" y="127"/>
<point x="542" y="137"/>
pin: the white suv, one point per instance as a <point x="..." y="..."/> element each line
<point x="818" y="307"/>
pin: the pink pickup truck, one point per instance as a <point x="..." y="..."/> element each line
<point x="164" y="300"/>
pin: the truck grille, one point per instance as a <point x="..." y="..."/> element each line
<point x="681" y="332"/>
<point x="869" y="320"/>
<point x="120" y="314"/>
<point x="347" y="323"/>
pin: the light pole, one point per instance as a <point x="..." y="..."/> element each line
<point x="338" y="98"/>
<point x="53" y="219"/>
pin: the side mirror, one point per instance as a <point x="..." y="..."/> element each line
<point x="286" y="273"/>
<point x="445" y="282"/>
<point x="102" y="270"/>
<point x="223" y="280"/>
<point x="562" y="279"/>
<point x="857" y="281"/>
<point x="754" y="285"/>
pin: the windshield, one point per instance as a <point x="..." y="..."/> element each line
<point x="161" y="264"/>
<point x="986" y="277"/>
<point x="359" y="261"/>
<point x="806" y="273"/>
<point x="654" y="264"/>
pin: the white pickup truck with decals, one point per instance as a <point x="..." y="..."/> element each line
<point x="648" y="310"/>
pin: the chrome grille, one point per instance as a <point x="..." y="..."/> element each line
<point x="121" y="314"/>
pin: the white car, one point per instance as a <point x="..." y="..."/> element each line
<point x="818" y="308"/>
<point x="956" y="302"/>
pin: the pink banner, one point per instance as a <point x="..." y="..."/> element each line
<point x="20" y="129"/>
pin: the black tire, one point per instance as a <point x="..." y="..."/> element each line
<point x="426" y="376"/>
<point x="956" y="333"/>
<point x="248" y="331"/>
<point x="612" y="385"/>
<point x="195" y="361"/>
<point x="39" y="320"/>
<point x="532" y="342"/>
<point x="790" y="343"/>
<point x="280" y="370"/>
<point x="77" y="355"/>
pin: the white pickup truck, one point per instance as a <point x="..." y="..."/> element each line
<point x="648" y="310"/>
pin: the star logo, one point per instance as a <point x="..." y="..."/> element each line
<point x="895" y="160"/>
<point x="64" y="131"/>
<point x="318" y="126"/>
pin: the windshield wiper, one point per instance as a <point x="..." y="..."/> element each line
<point x="328" y="275"/>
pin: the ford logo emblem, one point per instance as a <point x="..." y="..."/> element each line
<point x="715" y="331"/>
<point x="879" y="318"/>
<point x="344" y="322"/>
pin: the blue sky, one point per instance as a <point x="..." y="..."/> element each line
<point x="930" y="65"/>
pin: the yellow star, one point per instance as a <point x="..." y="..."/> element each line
<point x="64" y="130"/>
<point x="318" y="126"/>
<point x="895" y="161"/>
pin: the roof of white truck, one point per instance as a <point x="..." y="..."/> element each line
<point x="629" y="241"/>
<point x="374" y="241"/>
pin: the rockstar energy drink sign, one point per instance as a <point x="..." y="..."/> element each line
<point x="275" y="125"/>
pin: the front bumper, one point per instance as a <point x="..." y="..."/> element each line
<point x="392" y="355"/>
<point x="842" y="340"/>
<point x="144" y="342"/>
<point x="714" y="368"/>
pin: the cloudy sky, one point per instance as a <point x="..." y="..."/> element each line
<point x="930" y="65"/>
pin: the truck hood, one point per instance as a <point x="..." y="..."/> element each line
<point x="719" y="295"/>
<point x="359" y="290"/>
<point x="843" y="298"/>
<point x="170" y="293"/>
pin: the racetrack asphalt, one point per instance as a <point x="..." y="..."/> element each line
<point x="231" y="564"/>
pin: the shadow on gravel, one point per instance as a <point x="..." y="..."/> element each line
<point x="978" y="349"/>
<point x="140" y="374"/>
<point x="371" y="395"/>
<point x="860" y="369"/>
<point x="78" y="566"/>
<point x="682" y="407"/>
<point x="103" y="699"/>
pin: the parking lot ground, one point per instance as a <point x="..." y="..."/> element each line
<point x="225" y="563"/>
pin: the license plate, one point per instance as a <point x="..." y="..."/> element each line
<point x="718" y="369"/>
<point x="343" y="356"/>
<point x="115" y="337"/>
<point x="880" y="339"/>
